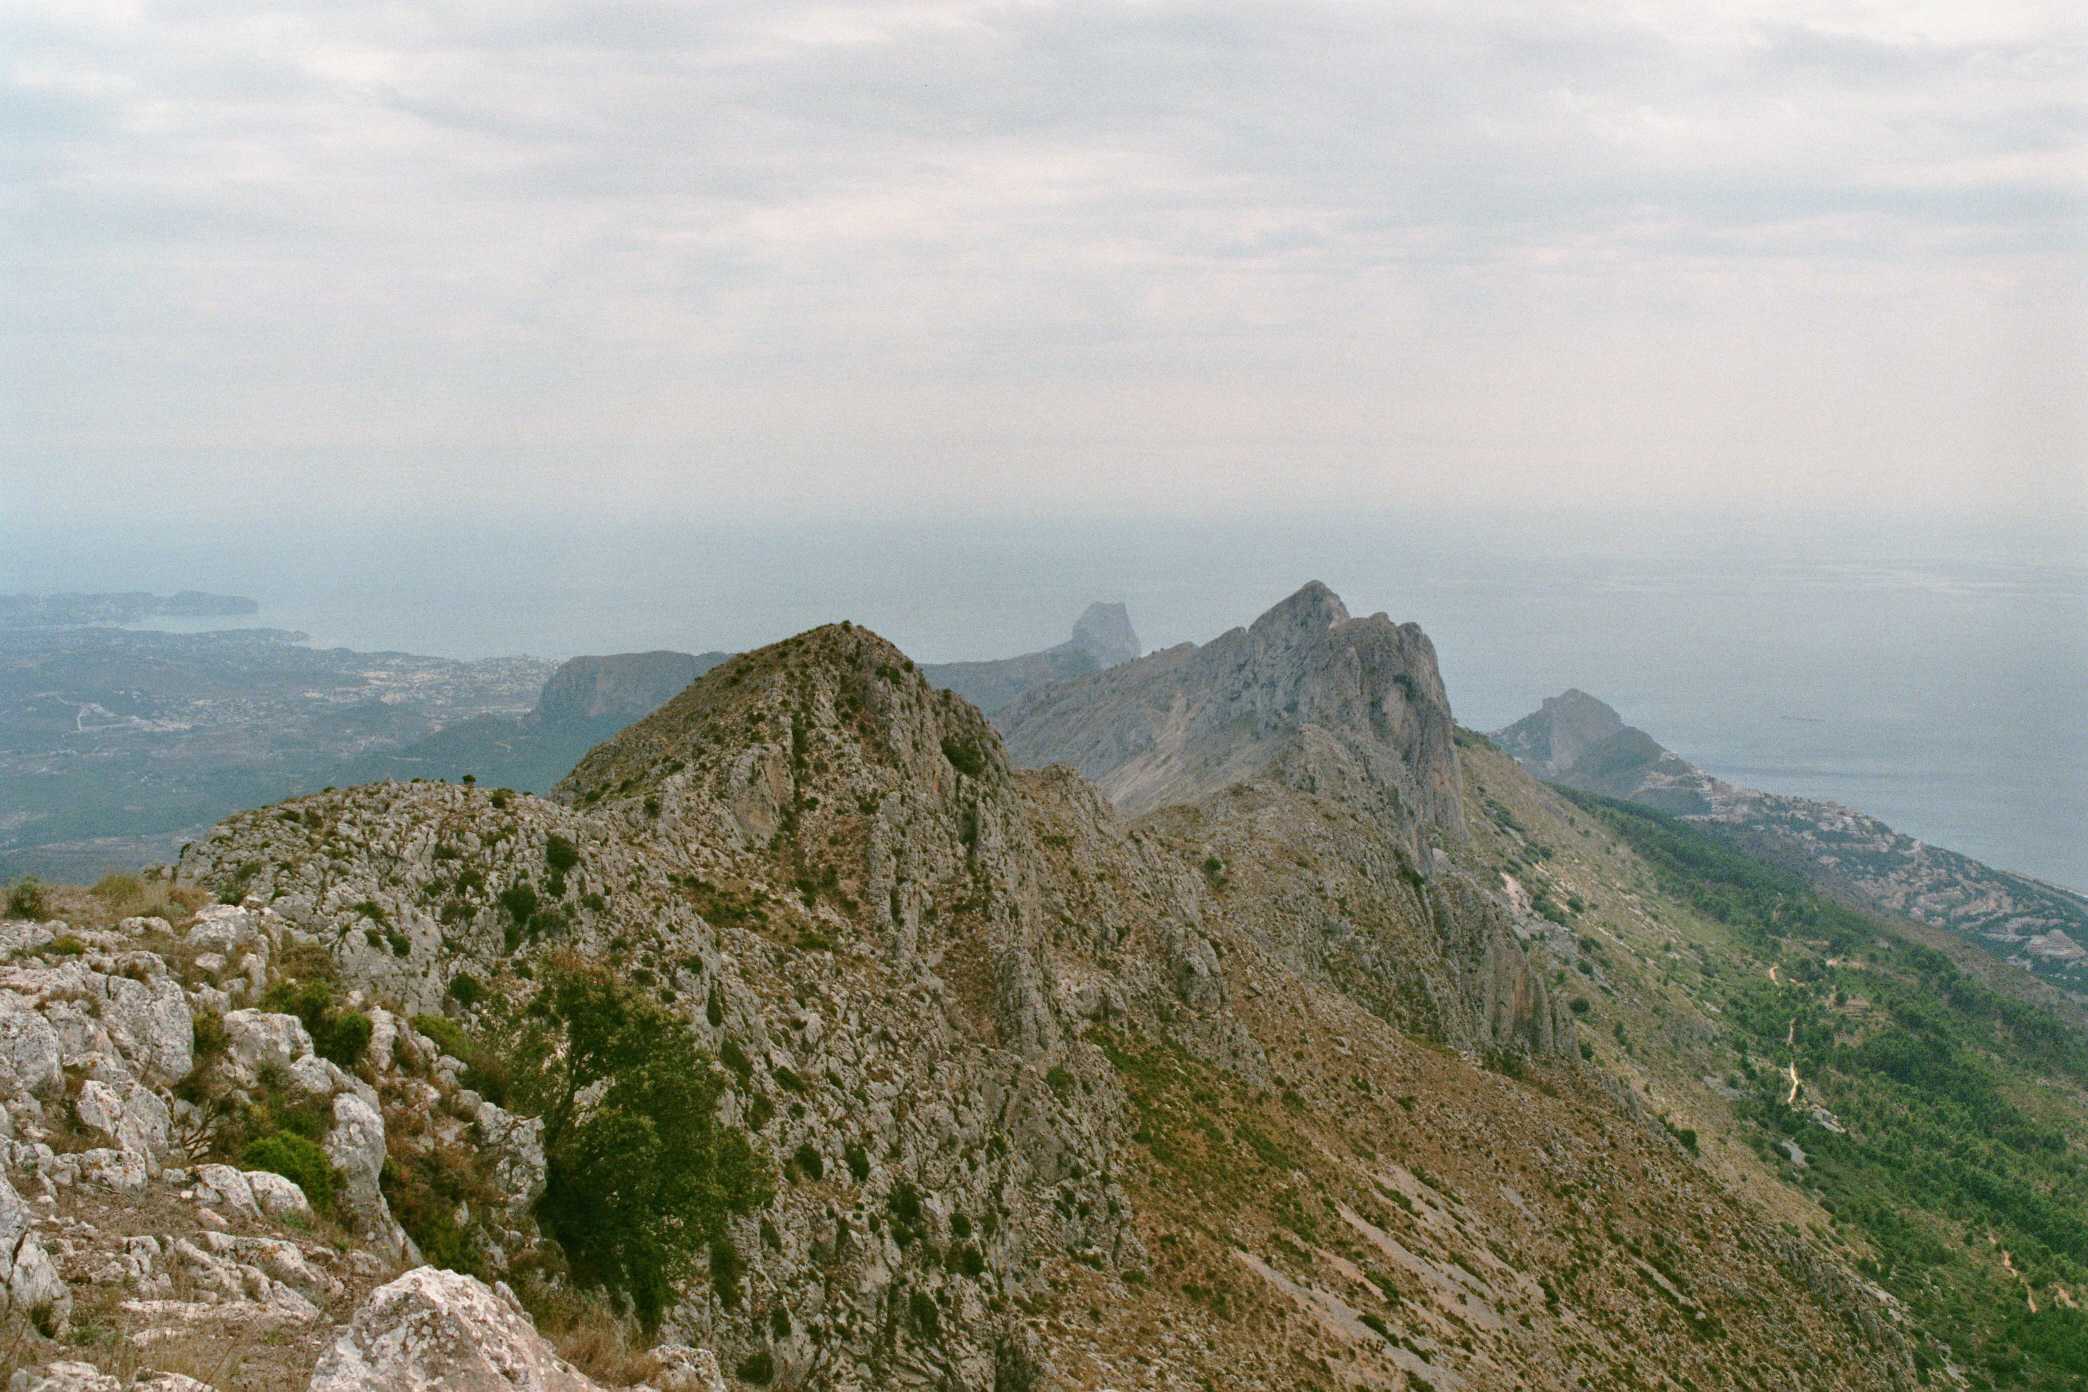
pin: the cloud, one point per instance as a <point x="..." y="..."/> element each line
<point x="898" y="255"/>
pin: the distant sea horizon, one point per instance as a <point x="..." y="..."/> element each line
<point x="1931" y="677"/>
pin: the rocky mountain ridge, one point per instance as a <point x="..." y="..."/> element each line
<point x="1272" y="1085"/>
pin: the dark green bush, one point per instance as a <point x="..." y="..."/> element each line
<point x="340" y="1036"/>
<point x="965" y="756"/>
<point x="759" y="1369"/>
<point x="520" y="900"/>
<point x="641" y="1177"/>
<point x="28" y="900"/>
<point x="296" y="1159"/>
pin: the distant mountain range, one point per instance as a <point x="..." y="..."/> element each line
<point x="1576" y="740"/>
<point x="591" y="698"/>
<point x="118" y="745"/>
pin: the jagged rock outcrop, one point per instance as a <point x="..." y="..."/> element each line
<point x="1573" y="738"/>
<point x="1354" y="707"/>
<point x="1314" y="732"/>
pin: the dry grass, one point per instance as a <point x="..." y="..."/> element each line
<point x="114" y="898"/>
<point x="589" y="1336"/>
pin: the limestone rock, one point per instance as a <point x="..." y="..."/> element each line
<point x="438" y="1331"/>
<point x="679" y="1368"/>
<point x="132" y="1115"/>
<point x="258" y="1041"/>
<point x="28" y="1278"/>
<point x="63" y="1376"/>
<point x="29" y="1057"/>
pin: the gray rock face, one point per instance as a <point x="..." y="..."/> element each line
<point x="27" y="1277"/>
<point x="64" y="1376"/>
<point x="1574" y="739"/>
<point x="437" y="1331"/>
<point x="1305" y="692"/>
<point x="1104" y="633"/>
<point x="260" y="1041"/>
<point x="29" y="1055"/>
<point x="355" y="1144"/>
<point x="133" y="1116"/>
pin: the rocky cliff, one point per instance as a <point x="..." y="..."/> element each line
<point x="1305" y="693"/>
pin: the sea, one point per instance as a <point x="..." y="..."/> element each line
<point x="1930" y="671"/>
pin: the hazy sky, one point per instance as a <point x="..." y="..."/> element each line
<point x="777" y="260"/>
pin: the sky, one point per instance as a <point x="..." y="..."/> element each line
<point x="773" y="262"/>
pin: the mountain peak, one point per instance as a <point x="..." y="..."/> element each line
<point x="1313" y="609"/>
<point x="1325" y="700"/>
<point x="1104" y="632"/>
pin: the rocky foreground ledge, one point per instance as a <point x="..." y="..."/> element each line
<point x="136" y="1254"/>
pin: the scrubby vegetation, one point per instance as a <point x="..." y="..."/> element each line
<point x="641" y="1175"/>
<point x="1939" y="1117"/>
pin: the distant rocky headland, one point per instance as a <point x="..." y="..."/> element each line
<point x="1578" y="741"/>
<point x="67" y="610"/>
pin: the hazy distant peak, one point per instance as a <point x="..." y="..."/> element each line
<point x="1313" y="609"/>
<point x="1589" y="712"/>
<point x="1105" y="632"/>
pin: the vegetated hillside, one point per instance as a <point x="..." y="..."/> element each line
<point x="1277" y="1088"/>
<point x="1935" y="1104"/>
<point x="1575" y="740"/>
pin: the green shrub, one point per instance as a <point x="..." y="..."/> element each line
<point x="28" y="900"/>
<point x="66" y="945"/>
<point x="446" y="1034"/>
<point x="520" y="900"/>
<point x="339" y="1036"/>
<point x="641" y="1176"/>
<point x="296" y="1159"/>
<point x="343" y="1038"/>
<point x="465" y="989"/>
<point x="560" y="854"/>
<point x="758" y="1369"/>
<point x="966" y="757"/>
<point x="208" y="1027"/>
<point x="922" y="1313"/>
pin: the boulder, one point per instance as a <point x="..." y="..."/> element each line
<point x="432" y="1329"/>
<point x="63" y="1376"/>
<point x="29" y="1057"/>
<point x="258" y="1041"/>
<point x="27" y="1279"/>
<point x="148" y="1021"/>
<point x="223" y="1187"/>
<point x="133" y="1116"/>
<point x="679" y="1368"/>
<point x="356" y="1146"/>
<point x="276" y="1196"/>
